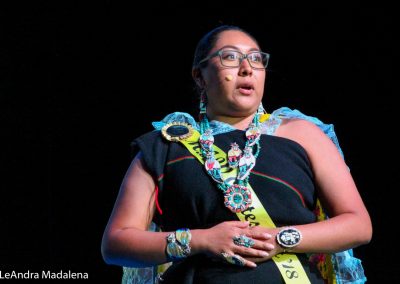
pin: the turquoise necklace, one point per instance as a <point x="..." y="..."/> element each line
<point x="237" y="196"/>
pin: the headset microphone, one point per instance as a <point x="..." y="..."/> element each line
<point x="228" y="77"/>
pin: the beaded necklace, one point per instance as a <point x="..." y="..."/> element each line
<point x="237" y="197"/>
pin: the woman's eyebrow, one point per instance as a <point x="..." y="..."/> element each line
<point x="238" y="49"/>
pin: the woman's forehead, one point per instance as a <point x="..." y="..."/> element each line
<point x="235" y="38"/>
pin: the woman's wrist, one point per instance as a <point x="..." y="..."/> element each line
<point x="198" y="242"/>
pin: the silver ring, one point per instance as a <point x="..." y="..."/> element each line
<point x="234" y="259"/>
<point x="244" y="241"/>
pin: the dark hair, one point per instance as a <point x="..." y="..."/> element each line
<point x="207" y="42"/>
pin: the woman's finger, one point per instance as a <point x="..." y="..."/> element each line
<point x="259" y="235"/>
<point x="250" y="252"/>
<point x="236" y="259"/>
<point x="239" y="224"/>
<point x="263" y="245"/>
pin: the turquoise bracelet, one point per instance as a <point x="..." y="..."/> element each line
<point x="178" y="244"/>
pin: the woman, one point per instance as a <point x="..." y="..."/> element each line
<point x="200" y="182"/>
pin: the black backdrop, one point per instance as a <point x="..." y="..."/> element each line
<point x="79" y="82"/>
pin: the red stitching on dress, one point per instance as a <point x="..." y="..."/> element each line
<point x="157" y="204"/>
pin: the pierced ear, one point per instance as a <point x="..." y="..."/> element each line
<point x="198" y="78"/>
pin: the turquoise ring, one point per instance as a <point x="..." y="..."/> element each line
<point x="234" y="259"/>
<point x="244" y="241"/>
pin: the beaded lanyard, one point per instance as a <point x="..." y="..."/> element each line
<point x="237" y="197"/>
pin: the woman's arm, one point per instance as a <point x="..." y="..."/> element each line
<point x="349" y="224"/>
<point x="127" y="242"/>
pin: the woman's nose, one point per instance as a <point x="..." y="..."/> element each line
<point x="245" y="68"/>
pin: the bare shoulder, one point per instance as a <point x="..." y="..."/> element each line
<point x="306" y="133"/>
<point x="299" y="130"/>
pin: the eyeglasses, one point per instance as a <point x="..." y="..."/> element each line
<point x="233" y="58"/>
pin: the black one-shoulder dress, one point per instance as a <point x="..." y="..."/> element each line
<point x="189" y="198"/>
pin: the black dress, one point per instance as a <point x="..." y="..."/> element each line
<point x="189" y="198"/>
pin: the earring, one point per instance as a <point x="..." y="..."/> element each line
<point x="203" y="104"/>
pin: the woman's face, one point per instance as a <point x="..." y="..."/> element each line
<point x="238" y="91"/>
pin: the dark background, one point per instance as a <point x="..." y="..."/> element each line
<point x="79" y="81"/>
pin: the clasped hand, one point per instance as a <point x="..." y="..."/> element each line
<point x="220" y="239"/>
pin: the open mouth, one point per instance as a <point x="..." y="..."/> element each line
<point x="246" y="88"/>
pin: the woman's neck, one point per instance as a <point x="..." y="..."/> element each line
<point x="241" y="123"/>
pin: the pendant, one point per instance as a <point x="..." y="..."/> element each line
<point x="213" y="168"/>
<point x="253" y="134"/>
<point x="246" y="163"/>
<point x="206" y="140"/>
<point x="237" y="198"/>
<point x="234" y="155"/>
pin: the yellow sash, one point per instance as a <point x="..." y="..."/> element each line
<point x="289" y="265"/>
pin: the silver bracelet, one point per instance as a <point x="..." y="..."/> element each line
<point x="288" y="238"/>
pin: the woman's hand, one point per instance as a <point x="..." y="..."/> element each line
<point x="219" y="239"/>
<point x="270" y="242"/>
